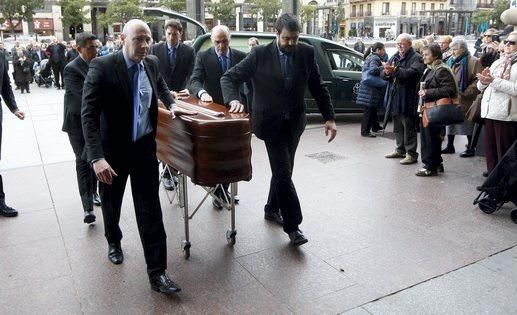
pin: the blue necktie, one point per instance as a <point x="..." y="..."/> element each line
<point x="288" y="71"/>
<point x="224" y="64"/>
<point x="172" y="55"/>
<point x="135" y="75"/>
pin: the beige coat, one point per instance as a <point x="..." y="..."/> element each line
<point x="467" y="97"/>
<point x="500" y="98"/>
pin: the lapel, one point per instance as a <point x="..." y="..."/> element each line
<point x="178" y="54"/>
<point x="83" y="66"/>
<point x="123" y="76"/>
<point x="149" y="70"/>
<point x="277" y="67"/>
<point x="214" y="61"/>
<point x="164" y="54"/>
<point x="233" y="59"/>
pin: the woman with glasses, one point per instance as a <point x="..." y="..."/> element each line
<point x="499" y="103"/>
<point x="464" y="67"/>
<point x="439" y="83"/>
<point x="489" y="47"/>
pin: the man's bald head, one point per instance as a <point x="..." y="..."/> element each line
<point x="137" y="39"/>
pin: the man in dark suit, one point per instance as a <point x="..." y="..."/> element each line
<point x="176" y="65"/>
<point x="211" y="64"/>
<point x="119" y="116"/>
<point x="74" y="75"/>
<point x="57" y="58"/>
<point x="280" y="72"/>
<point x="8" y="96"/>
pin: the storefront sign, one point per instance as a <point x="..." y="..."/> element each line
<point x="6" y="26"/>
<point x="43" y="24"/>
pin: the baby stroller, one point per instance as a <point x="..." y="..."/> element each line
<point x="43" y="73"/>
<point x="501" y="185"/>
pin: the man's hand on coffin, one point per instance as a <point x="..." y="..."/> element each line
<point x="205" y="97"/>
<point x="103" y="171"/>
<point x="330" y="127"/>
<point x="236" y="107"/>
<point x="183" y="94"/>
<point x="180" y="111"/>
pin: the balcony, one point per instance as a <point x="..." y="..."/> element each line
<point x="353" y="14"/>
<point x="485" y="6"/>
<point x="403" y="12"/>
<point x="386" y="13"/>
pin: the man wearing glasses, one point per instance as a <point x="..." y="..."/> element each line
<point x="402" y="72"/>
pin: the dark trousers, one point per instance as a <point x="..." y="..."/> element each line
<point x="2" y="194"/>
<point x="404" y="128"/>
<point x="86" y="179"/>
<point x="431" y="146"/>
<point x="282" y="194"/>
<point x="370" y="120"/>
<point x="57" y="69"/>
<point x="142" y="167"/>
<point x="499" y="137"/>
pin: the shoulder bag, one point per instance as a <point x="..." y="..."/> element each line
<point x="442" y="112"/>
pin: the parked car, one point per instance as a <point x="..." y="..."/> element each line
<point x="340" y="66"/>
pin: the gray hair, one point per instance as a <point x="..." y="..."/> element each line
<point x="221" y="28"/>
<point x="461" y="43"/>
<point x="404" y="36"/>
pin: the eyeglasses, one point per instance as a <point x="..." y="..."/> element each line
<point x="510" y="42"/>
<point x="487" y="35"/>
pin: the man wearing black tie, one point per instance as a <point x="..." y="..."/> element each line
<point x="280" y="72"/>
<point x="210" y="65"/>
<point x="119" y="117"/>
<point x="176" y="65"/>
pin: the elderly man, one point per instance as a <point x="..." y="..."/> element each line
<point x="444" y="42"/>
<point x="402" y="72"/>
<point x="56" y="51"/>
<point x="119" y="116"/>
<point x="210" y="65"/>
<point x="281" y="72"/>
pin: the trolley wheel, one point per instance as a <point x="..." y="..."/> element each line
<point x="230" y="237"/>
<point x="185" y="247"/>
<point x="513" y="215"/>
<point x="487" y="205"/>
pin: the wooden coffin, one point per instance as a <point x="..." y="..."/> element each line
<point x="212" y="147"/>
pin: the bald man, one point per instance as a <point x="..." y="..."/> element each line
<point x="119" y="117"/>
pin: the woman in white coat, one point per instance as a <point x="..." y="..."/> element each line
<point x="499" y="104"/>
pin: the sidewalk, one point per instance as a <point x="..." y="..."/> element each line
<point x="381" y="240"/>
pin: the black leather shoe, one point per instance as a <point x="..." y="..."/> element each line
<point x="161" y="282"/>
<point x="467" y="153"/>
<point x="274" y="217"/>
<point x="297" y="238"/>
<point x="368" y="135"/>
<point x="96" y="200"/>
<point x="485" y="174"/>
<point x="167" y="184"/>
<point x="7" y="211"/>
<point x="115" y="253"/>
<point x="217" y="204"/>
<point x="448" y="150"/>
<point x="89" y="217"/>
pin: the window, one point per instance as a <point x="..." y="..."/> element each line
<point x="432" y="6"/>
<point x="403" y="10"/>
<point x="342" y="60"/>
<point x="353" y="11"/>
<point x="422" y="7"/>
<point x="361" y="11"/>
<point x="441" y="6"/>
<point x="369" y="10"/>
<point x="385" y="8"/>
<point x="413" y="8"/>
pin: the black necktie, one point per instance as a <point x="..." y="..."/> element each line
<point x="224" y="64"/>
<point x="287" y="68"/>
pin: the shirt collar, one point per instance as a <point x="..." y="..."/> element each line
<point x="169" y="47"/>
<point x="281" y="53"/>
<point x="87" y="62"/>
<point x="227" y="54"/>
<point x="129" y="62"/>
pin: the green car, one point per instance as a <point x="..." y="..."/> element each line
<point x="340" y="67"/>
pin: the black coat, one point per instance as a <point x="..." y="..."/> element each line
<point x="272" y="101"/>
<point x="74" y="75"/>
<point x="370" y="96"/>
<point x="22" y="69"/>
<point x="7" y="95"/>
<point x="439" y="84"/>
<point x="107" y="107"/>
<point x="57" y="53"/>
<point x="37" y="58"/>
<point x="207" y="73"/>
<point x="177" y="75"/>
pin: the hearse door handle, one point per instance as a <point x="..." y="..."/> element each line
<point x="327" y="82"/>
<point x="345" y="79"/>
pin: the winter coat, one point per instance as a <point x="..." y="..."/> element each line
<point x="22" y="70"/>
<point x="469" y="95"/>
<point x="439" y="84"/>
<point x="500" y="98"/>
<point x="370" y="96"/>
<point x="403" y="83"/>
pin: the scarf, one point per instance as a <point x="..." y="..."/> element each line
<point x="507" y="63"/>
<point x="438" y="64"/>
<point x="462" y="62"/>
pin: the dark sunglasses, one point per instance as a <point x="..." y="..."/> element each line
<point x="487" y="35"/>
<point x="511" y="42"/>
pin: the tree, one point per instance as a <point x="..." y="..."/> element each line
<point x="307" y="13"/>
<point x="73" y="12"/>
<point x="269" y="10"/>
<point x="174" y="5"/>
<point x="121" y="11"/>
<point x="15" y="11"/>
<point x="483" y="16"/>
<point x="222" y="10"/>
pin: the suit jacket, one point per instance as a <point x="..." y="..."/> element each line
<point x="272" y="101"/>
<point x="207" y="73"/>
<point x="177" y="75"/>
<point x="74" y="75"/>
<point x="7" y="95"/>
<point x="107" y="107"/>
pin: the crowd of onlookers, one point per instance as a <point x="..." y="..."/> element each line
<point x="430" y="70"/>
<point x="27" y="59"/>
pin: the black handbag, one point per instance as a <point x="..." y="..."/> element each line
<point x="442" y="112"/>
